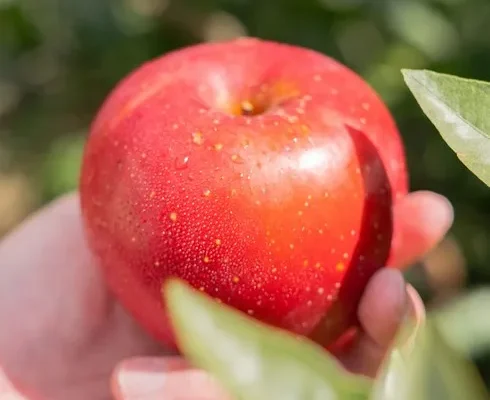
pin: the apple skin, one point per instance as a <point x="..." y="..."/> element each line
<point x="261" y="173"/>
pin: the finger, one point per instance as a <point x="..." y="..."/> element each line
<point x="381" y="311"/>
<point x="417" y="316"/>
<point x="421" y="219"/>
<point x="369" y="352"/>
<point x="383" y="306"/>
<point x="163" y="378"/>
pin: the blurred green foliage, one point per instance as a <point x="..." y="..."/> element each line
<point x="60" y="58"/>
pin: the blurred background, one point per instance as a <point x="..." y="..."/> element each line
<point x="60" y="58"/>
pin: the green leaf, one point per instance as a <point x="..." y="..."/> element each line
<point x="254" y="361"/>
<point x="465" y="323"/>
<point x="459" y="109"/>
<point x="62" y="165"/>
<point x="427" y="369"/>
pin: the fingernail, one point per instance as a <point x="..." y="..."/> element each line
<point x="140" y="384"/>
<point x="415" y="316"/>
<point x="440" y="214"/>
<point x="417" y="307"/>
<point x="144" y="378"/>
<point x="155" y="364"/>
<point x="145" y="383"/>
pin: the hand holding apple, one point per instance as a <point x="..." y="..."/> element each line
<point x="67" y="335"/>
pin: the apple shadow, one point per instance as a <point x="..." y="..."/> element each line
<point x="372" y="250"/>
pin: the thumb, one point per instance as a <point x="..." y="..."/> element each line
<point x="170" y="378"/>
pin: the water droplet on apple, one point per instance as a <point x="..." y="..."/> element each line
<point x="181" y="162"/>
<point x="197" y="138"/>
<point x="237" y="159"/>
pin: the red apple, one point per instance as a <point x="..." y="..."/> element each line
<point x="262" y="173"/>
